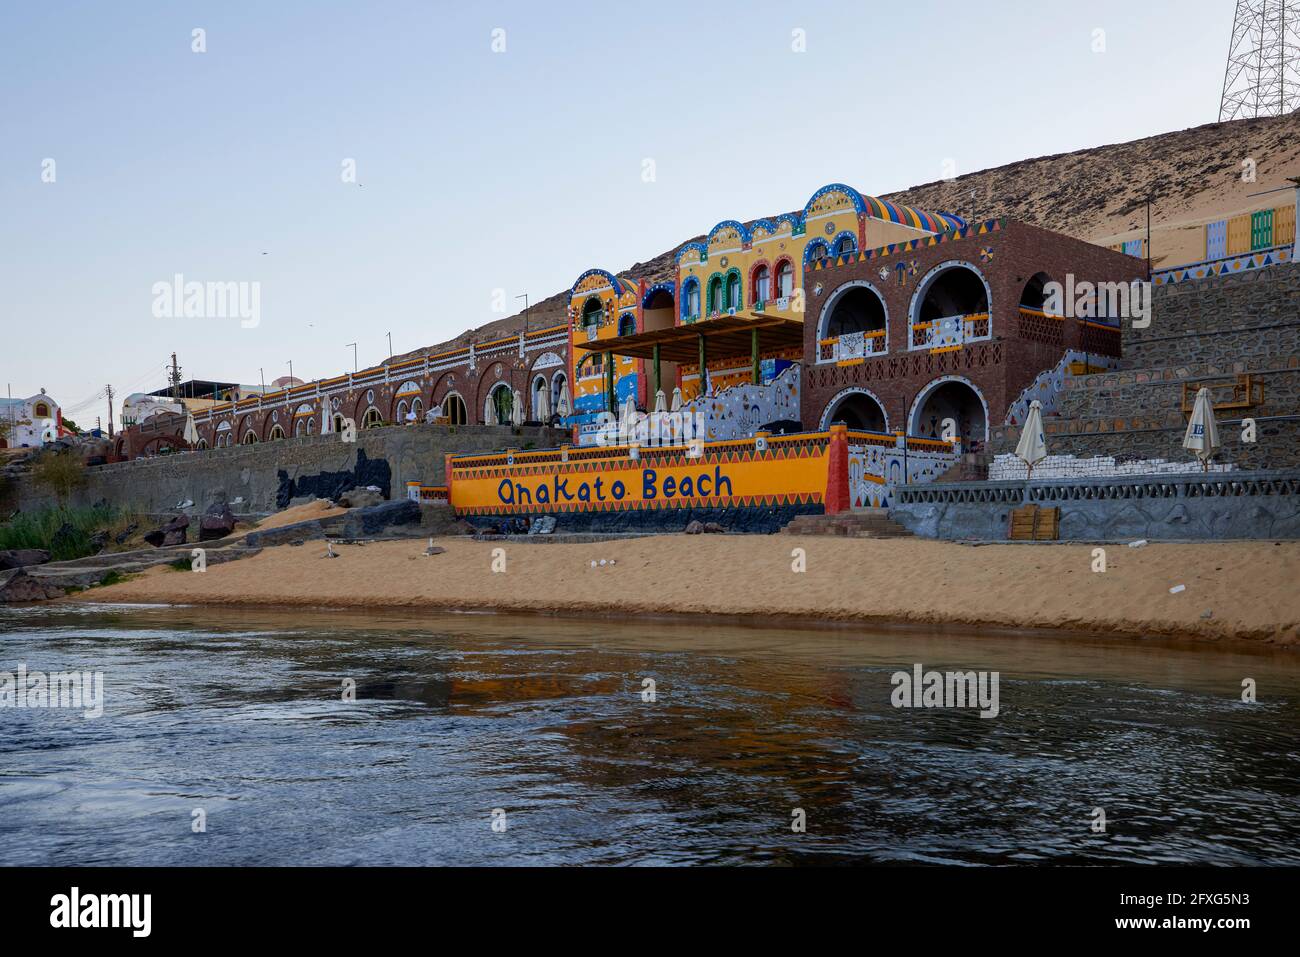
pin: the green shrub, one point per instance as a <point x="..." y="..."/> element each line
<point x="64" y="532"/>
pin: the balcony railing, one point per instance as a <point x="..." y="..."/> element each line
<point x="950" y="332"/>
<point x="851" y="346"/>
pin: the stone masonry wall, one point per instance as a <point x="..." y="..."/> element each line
<point x="413" y="453"/>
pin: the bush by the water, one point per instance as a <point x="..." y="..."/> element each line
<point x="64" y="532"/>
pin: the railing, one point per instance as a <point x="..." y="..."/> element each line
<point x="851" y="346"/>
<point x="950" y="332"/>
<point x="1280" y="482"/>
<point x="1038" y="326"/>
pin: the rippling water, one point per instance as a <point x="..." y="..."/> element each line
<point x="239" y="713"/>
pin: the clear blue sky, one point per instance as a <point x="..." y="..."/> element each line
<point x="482" y="171"/>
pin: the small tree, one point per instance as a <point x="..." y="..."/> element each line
<point x="60" y="472"/>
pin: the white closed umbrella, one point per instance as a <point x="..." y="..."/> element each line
<point x="661" y="402"/>
<point x="517" y="409"/>
<point x="1032" y="447"/>
<point x="562" y="407"/>
<point x="191" y="431"/>
<point x="326" y="421"/>
<point x="1202" y="438"/>
<point x="677" y="400"/>
<point x="543" y="410"/>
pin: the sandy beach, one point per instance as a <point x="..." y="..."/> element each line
<point x="1232" y="590"/>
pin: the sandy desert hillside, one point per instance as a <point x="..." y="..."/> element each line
<point x="1193" y="177"/>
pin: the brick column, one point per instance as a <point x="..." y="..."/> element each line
<point x="837" y="471"/>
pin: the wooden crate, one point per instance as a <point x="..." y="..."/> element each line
<point x="1033" y="523"/>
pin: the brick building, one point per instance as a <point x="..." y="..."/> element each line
<point x="952" y="326"/>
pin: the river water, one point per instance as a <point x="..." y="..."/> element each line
<point x="234" y="721"/>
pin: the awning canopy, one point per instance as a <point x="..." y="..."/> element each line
<point x="725" y="337"/>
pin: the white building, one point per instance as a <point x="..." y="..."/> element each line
<point x="30" y="422"/>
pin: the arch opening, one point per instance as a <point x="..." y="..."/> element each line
<point x="859" y="411"/>
<point x="959" y="402"/>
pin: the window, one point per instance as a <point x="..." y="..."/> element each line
<point x="592" y="365"/>
<point x="733" y="291"/>
<point x="372" y="419"/>
<point x="846" y="246"/>
<point x="417" y="408"/>
<point x="250" y="438"/>
<point x="691" y="299"/>
<point x="627" y="324"/>
<point x="42" y="411"/>
<point x="818" y="251"/>
<point x="785" y="279"/>
<point x="500" y="406"/>
<point x="400" y="412"/>
<point x="276" y="435"/>
<point x="715" y="295"/>
<point x="591" y="311"/>
<point x="557" y="387"/>
<point x="762" y="284"/>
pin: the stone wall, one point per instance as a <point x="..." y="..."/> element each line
<point x="1252" y="317"/>
<point x="257" y="472"/>
<point x="1258" y="505"/>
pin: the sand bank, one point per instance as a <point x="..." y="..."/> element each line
<point x="1248" y="589"/>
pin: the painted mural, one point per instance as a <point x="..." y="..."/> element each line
<point x="1048" y="385"/>
<point x="878" y="463"/>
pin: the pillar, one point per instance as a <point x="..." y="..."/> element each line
<point x="755" y="375"/>
<point x="703" y="362"/>
<point x="658" y="379"/>
<point x="611" y="402"/>
<point x="837" y="471"/>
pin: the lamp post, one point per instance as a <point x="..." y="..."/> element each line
<point x="354" y="355"/>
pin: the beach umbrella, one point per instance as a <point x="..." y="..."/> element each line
<point x="1032" y="447"/>
<point x="1202" y="438"/>
<point x="326" y="421"/>
<point x="661" y="402"/>
<point x="517" y="409"/>
<point x="562" y="407"/>
<point x="543" y="410"/>
<point x="191" y="431"/>
<point x="677" y="400"/>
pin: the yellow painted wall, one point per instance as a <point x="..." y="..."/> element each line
<point x="790" y="471"/>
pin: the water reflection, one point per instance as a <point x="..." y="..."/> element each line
<point x="240" y="713"/>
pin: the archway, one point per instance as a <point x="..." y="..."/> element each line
<point x="856" y="307"/>
<point x="276" y="434"/>
<point x="954" y="399"/>
<point x="372" y="419"/>
<point x="453" y="409"/>
<point x="1034" y="295"/>
<point x="858" y="409"/>
<point x="500" y="405"/>
<point x="953" y="289"/>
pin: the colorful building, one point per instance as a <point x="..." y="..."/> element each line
<point x="734" y="309"/>
<point x="30" y="422"/>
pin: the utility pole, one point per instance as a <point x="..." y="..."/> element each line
<point x="354" y="356"/>
<point x="524" y="297"/>
<point x="390" y="345"/>
<point x="290" y="385"/>
<point x="175" y="378"/>
<point x="108" y="392"/>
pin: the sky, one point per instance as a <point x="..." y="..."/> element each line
<point x="499" y="149"/>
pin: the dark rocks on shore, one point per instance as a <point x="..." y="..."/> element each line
<point x="218" y="522"/>
<point x="173" y="533"/>
<point x="17" y="585"/>
<point x="21" y="557"/>
<point x="285" y="534"/>
<point x="376" y="519"/>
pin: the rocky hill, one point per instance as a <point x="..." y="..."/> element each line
<point x="1192" y="177"/>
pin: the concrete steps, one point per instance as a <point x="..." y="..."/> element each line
<point x="862" y="523"/>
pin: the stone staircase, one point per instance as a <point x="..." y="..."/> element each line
<point x="1216" y="333"/>
<point x="862" y="523"/>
